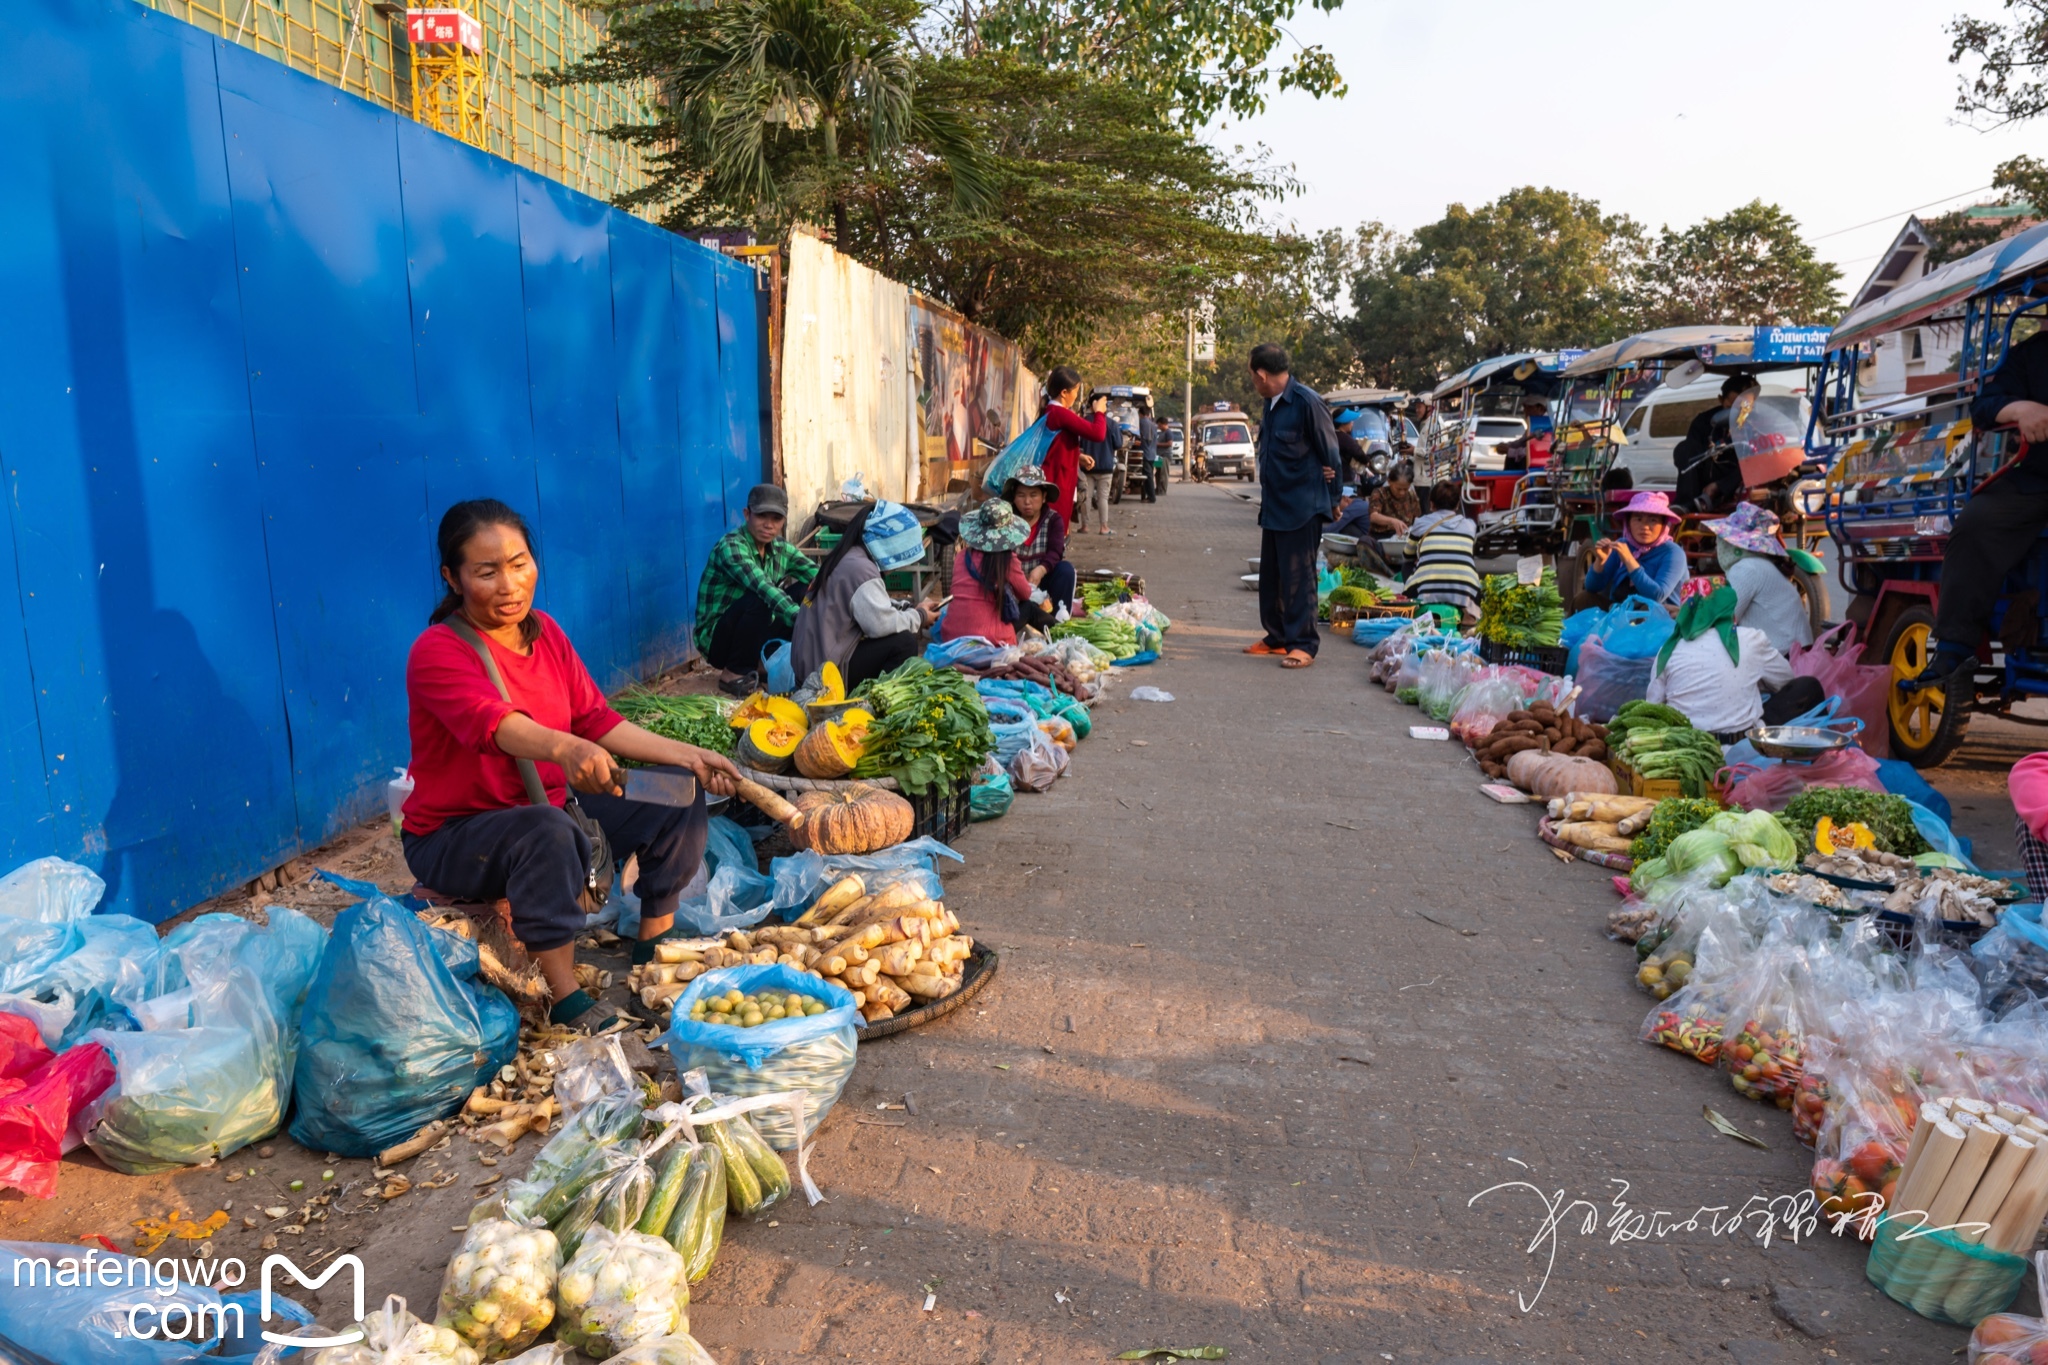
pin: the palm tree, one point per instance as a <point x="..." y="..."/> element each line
<point x="771" y="103"/>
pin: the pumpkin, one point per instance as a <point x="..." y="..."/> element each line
<point x="752" y="709"/>
<point x="833" y="746"/>
<point x="832" y="682"/>
<point x="856" y="818"/>
<point x="768" y="742"/>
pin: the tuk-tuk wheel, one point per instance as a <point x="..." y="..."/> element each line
<point x="1926" y="725"/>
<point x="1813" y="590"/>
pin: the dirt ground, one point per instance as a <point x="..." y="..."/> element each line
<point x="1293" y="1030"/>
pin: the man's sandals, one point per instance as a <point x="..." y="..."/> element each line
<point x="1263" y="648"/>
<point x="1297" y="658"/>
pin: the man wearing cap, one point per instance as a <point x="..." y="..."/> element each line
<point x="748" y="595"/>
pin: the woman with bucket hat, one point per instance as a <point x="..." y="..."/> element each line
<point x="848" y="617"/>
<point x="1759" y="569"/>
<point x="991" y="595"/>
<point x="1044" y="551"/>
<point x="1644" y="562"/>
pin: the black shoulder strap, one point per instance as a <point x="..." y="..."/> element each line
<point x="536" y="793"/>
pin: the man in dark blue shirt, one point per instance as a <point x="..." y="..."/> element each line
<point x="1146" y="455"/>
<point x="1298" y="464"/>
<point x="1998" y="526"/>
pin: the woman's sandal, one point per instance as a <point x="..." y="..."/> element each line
<point x="1296" y="658"/>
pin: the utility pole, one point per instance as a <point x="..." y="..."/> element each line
<point x="1187" y="410"/>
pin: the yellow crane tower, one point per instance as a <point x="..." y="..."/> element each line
<point x="447" y="71"/>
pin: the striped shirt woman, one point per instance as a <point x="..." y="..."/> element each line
<point x="1446" y="568"/>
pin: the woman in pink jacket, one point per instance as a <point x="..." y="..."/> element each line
<point x="991" y="595"/>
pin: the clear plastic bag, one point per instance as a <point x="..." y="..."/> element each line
<point x="1060" y="731"/>
<point x="676" y="1350"/>
<point x="592" y="1069"/>
<point x="574" y="1156"/>
<point x="117" y="954"/>
<point x="498" y="1293"/>
<point x="1484" y="704"/>
<point x="738" y="894"/>
<point x="398" y="1031"/>
<point x="1038" y="764"/>
<point x="1690" y="1021"/>
<point x="800" y="877"/>
<point x="617" y="1198"/>
<point x="1444" y="676"/>
<point x="696" y="1224"/>
<point x="1609" y="681"/>
<point x="50" y="891"/>
<point x="814" y="1054"/>
<point x="392" y="1335"/>
<point x="755" y="1178"/>
<point x="619" y="1289"/>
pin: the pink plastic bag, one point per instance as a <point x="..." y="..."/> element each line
<point x="1771" y="786"/>
<point x="1865" y="689"/>
<point x="40" y="1096"/>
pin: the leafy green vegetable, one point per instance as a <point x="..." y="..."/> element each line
<point x="699" y="720"/>
<point x="1522" y="615"/>
<point x="1703" y="850"/>
<point x="1757" y="838"/>
<point x="1118" y="639"/>
<point x="1888" y="817"/>
<point x="930" y="727"/>
<point x="1672" y="817"/>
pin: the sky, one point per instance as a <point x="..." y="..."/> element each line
<point x="1840" y="111"/>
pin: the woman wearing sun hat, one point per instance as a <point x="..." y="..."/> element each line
<point x="1044" y="551"/>
<point x="1759" y="569"/>
<point x="991" y="595"/>
<point x="1644" y="562"/>
<point x="847" y="617"/>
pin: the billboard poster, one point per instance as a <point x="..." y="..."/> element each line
<point x="967" y="381"/>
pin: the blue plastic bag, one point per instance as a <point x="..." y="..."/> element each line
<point x="117" y="955"/>
<point x="1028" y="447"/>
<point x="1012" y="722"/>
<point x="813" y="1054"/>
<point x="991" y="796"/>
<point x="1577" y="627"/>
<point x="1938" y="835"/>
<point x="212" y="1072"/>
<point x="1901" y="778"/>
<point x="88" y="1321"/>
<point x="969" y="648"/>
<point x="1636" y="628"/>
<point x="778" y="673"/>
<point x="739" y="893"/>
<point x="801" y="876"/>
<point x="397" y="1032"/>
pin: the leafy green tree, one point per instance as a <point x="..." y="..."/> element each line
<point x="1536" y="269"/>
<point x="1101" y="211"/>
<point x="776" y="109"/>
<point x="1748" y="266"/>
<point x="1198" y="58"/>
<point x="2011" y="82"/>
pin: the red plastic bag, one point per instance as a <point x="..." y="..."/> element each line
<point x="37" y="1110"/>
<point x="21" y="1047"/>
<point x="1772" y="786"/>
<point x="1831" y="661"/>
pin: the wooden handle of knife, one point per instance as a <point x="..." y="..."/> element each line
<point x="769" y="803"/>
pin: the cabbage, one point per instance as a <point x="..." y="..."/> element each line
<point x="1648" y="872"/>
<point x="1704" y="850"/>
<point x="1757" y="838"/>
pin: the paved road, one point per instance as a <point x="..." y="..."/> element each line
<point x="1281" y="994"/>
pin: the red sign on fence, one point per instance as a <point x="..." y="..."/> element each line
<point x="444" y="26"/>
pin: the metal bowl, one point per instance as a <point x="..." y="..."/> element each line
<point x="1249" y="582"/>
<point x="1797" y="741"/>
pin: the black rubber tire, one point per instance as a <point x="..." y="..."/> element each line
<point x="1922" y="744"/>
<point x="1813" y="590"/>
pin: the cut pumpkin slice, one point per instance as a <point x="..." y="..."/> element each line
<point x="768" y="741"/>
<point x="833" y="746"/>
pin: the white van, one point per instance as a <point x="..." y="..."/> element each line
<point x="1656" y="427"/>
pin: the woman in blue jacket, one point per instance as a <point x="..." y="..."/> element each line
<point x="1644" y="562"/>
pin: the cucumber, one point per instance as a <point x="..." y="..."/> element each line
<point x="668" y="1189"/>
<point x="699" y="1221"/>
<point x="742" y="1186"/>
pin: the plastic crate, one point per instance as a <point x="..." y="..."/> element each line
<point x="943" y="812"/>
<point x="1543" y="658"/>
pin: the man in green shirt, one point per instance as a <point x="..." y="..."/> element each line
<point x="750" y="591"/>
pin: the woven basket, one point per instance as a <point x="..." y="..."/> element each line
<point x="980" y="970"/>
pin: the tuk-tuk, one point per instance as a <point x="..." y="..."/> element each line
<point x="1489" y="430"/>
<point x="1904" y="469"/>
<point x="1379" y="426"/>
<point x="1136" y="468"/>
<point x="1609" y="394"/>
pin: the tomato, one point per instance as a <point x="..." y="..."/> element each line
<point x="1870" y="1162"/>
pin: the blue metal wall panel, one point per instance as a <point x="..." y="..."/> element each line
<point x="739" y="367"/>
<point x="468" y="325"/>
<point x="318" y="230"/>
<point x="564" y="251"/>
<point x="260" y="334"/>
<point x="146" y="570"/>
<point x="650" y="458"/>
<point x="700" y="405"/>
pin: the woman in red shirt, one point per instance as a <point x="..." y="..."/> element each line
<point x="470" y="831"/>
<point x="1069" y="428"/>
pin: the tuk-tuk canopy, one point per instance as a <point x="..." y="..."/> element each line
<point x="1365" y="398"/>
<point x="1666" y="343"/>
<point x="1541" y="362"/>
<point x="1945" y="287"/>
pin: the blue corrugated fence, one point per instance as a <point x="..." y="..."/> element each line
<point x="258" y="334"/>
